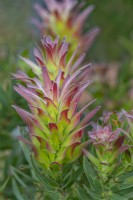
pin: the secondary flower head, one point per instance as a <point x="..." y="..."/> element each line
<point x="103" y="135"/>
<point x="109" y="150"/>
<point x="64" y="18"/>
<point x="54" y="123"/>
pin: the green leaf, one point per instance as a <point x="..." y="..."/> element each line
<point x="128" y="183"/>
<point x="92" y="158"/>
<point x="89" y="172"/>
<point x="127" y="193"/>
<point x="26" y="151"/>
<point x="114" y="187"/>
<point x="3" y="97"/>
<point x="54" y="195"/>
<point x="125" y="176"/>
<point x="116" y="197"/>
<point x="88" y="168"/>
<point x="18" y="178"/>
<point x="45" y="180"/>
<point x="98" y="187"/>
<point x="73" y="177"/>
<point x="92" y="193"/>
<point x="82" y="194"/>
<point x="23" y="174"/>
<point x="16" y="191"/>
<point x="66" y="172"/>
<point x="2" y="187"/>
<point x="123" y="187"/>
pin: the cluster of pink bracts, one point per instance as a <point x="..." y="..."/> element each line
<point x="55" y="125"/>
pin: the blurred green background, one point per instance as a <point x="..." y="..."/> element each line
<point x="112" y="54"/>
<point x="115" y="20"/>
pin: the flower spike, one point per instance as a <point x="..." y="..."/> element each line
<point x="54" y="123"/>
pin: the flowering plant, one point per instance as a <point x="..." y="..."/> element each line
<point x="55" y="125"/>
<point x="65" y="163"/>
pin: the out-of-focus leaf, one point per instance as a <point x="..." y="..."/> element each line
<point x="2" y="187"/>
<point x="4" y="97"/>
<point x="117" y="197"/>
<point x="22" y="174"/>
<point x="45" y="180"/>
<point x="82" y="194"/>
<point x="18" y="178"/>
<point x="127" y="193"/>
<point x="127" y="44"/>
<point x="54" y="195"/>
<point x="75" y="174"/>
<point x="26" y="151"/>
<point x="98" y="185"/>
<point x="89" y="170"/>
<point x="93" y="194"/>
<point x="17" y="193"/>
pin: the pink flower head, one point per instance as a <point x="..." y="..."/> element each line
<point x="101" y="135"/>
<point x="64" y="18"/>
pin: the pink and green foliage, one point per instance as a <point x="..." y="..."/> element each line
<point x="109" y="167"/>
<point x="54" y="122"/>
<point x="103" y="135"/>
<point x="66" y="18"/>
<point x="109" y="149"/>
